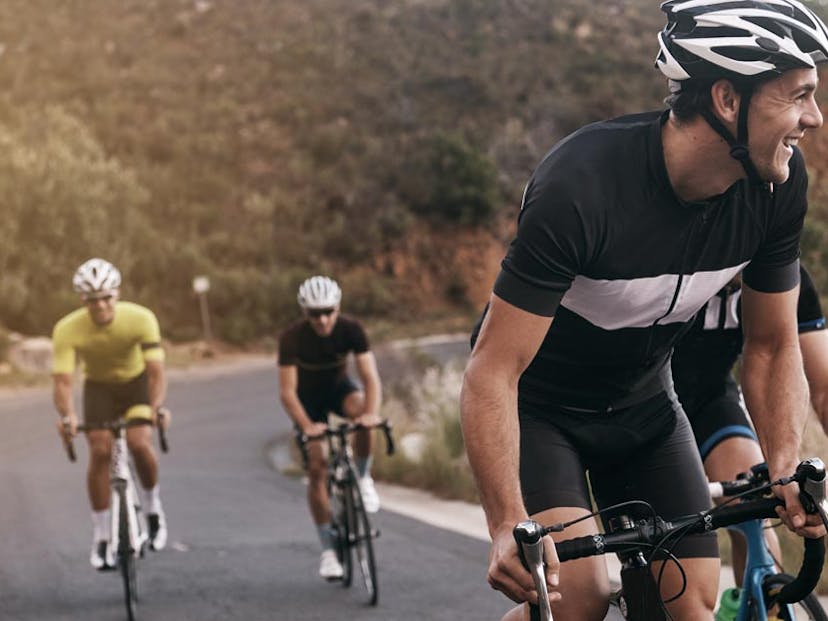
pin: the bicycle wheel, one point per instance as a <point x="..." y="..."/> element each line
<point x="126" y="557"/>
<point x="809" y="609"/>
<point x="363" y="542"/>
<point x="340" y="524"/>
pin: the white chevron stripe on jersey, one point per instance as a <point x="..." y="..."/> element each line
<point x="642" y="302"/>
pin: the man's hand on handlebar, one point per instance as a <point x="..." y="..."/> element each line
<point x="368" y="419"/>
<point x="314" y="429"/>
<point x="508" y="575"/>
<point x="162" y="417"/>
<point x="67" y="426"/>
<point x="793" y="514"/>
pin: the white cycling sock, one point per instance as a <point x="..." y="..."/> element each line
<point x="100" y="525"/>
<point x="152" y="500"/>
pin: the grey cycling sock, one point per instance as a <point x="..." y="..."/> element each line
<point x="363" y="465"/>
<point x="326" y="536"/>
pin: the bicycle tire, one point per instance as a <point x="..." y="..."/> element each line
<point x="126" y="558"/>
<point x="363" y="542"/>
<point x="339" y="524"/>
<point x="809" y="609"/>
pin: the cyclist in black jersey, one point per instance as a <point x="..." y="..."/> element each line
<point x="626" y="229"/>
<point x="702" y="366"/>
<point x="313" y="382"/>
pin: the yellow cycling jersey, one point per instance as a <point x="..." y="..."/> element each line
<point x="114" y="352"/>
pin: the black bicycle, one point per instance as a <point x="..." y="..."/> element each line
<point x="128" y="531"/>
<point x="639" y="536"/>
<point x="349" y="520"/>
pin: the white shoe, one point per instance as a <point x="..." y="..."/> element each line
<point x="101" y="557"/>
<point x="157" y="525"/>
<point x="329" y="567"/>
<point x="370" y="498"/>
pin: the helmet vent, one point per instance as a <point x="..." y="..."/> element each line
<point x="767" y="44"/>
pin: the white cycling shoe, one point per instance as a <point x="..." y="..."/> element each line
<point x="101" y="556"/>
<point x="329" y="566"/>
<point x="370" y="498"/>
<point x="157" y="526"/>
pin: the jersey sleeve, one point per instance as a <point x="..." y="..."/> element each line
<point x="150" y="338"/>
<point x="775" y="267"/>
<point x="809" y="310"/>
<point x="547" y="253"/>
<point x="358" y="338"/>
<point x="63" y="352"/>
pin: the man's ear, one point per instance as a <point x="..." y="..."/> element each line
<point x="725" y="101"/>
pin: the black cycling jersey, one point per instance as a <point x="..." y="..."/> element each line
<point x="704" y="357"/>
<point x="606" y="247"/>
<point x="321" y="361"/>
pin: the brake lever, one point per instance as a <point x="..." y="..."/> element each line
<point x="529" y="535"/>
<point x="810" y="474"/>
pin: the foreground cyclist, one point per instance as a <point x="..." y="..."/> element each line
<point x="627" y="228"/>
<point x="702" y="366"/>
<point x="313" y="382"/>
<point x="120" y="346"/>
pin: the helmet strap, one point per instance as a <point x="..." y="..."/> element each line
<point x="739" y="144"/>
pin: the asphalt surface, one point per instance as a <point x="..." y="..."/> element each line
<point x="241" y="542"/>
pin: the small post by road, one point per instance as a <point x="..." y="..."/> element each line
<point x="201" y="285"/>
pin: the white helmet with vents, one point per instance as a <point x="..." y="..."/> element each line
<point x="96" y="275"/>
<point x="319" y="292"/>
<point x="739" y="39"/>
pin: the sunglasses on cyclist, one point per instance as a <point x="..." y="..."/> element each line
<point x="100" y="298"/>
<point x="316" y="313"/>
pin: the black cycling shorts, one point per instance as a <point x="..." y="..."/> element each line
<point x="106" y="402"/>
<point x="319" y="406"/>
<point x="644" y="452"/>
<point x="717" y="417"/>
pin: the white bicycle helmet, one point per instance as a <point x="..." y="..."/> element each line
<point x="96" y="275"/>
<point x="319" y="292"/>
<point x="745" y="39"/>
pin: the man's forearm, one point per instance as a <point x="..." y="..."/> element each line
<point x="491" y="435"/>
<point x="157" y="386"/>
<point x="62" y="398"/>
<point x="776" y="395"/>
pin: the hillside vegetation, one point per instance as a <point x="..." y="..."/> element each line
<point x="384" y="142"/>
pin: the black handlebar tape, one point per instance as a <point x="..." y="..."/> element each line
<point x="162" y="440"/>
<point x="808" y="576"/>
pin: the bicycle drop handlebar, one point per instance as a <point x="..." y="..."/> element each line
<point x="651" y="532"/>
<point x="341" y="431"/>
<point x="115" y="427"/>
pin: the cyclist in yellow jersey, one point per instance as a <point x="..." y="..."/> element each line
<point x="119" y="344"/>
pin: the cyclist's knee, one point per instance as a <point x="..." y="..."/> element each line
<point x="353" y="404"/>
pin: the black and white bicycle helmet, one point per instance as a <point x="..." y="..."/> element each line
<point x="740" y="40"/>
<point x="96" y="275"/>
<point x="319" y="292"/>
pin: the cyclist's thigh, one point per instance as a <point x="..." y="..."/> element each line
<point x="555" y="490"/>
<point x="731" y="457"/>
<point x="719" y="417"/>
<point x="100" y="404"/>
<point x="667" y="473"/>
<point x="348" y="399"/>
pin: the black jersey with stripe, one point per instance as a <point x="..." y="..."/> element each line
<point x="705" y="355"/>
<point x="606" y="247"/>
<point x="321" y="361"/>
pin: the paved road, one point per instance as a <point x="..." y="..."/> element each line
<point x="242" y="546"/>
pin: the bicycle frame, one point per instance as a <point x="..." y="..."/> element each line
<point x="123" y="491"/>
